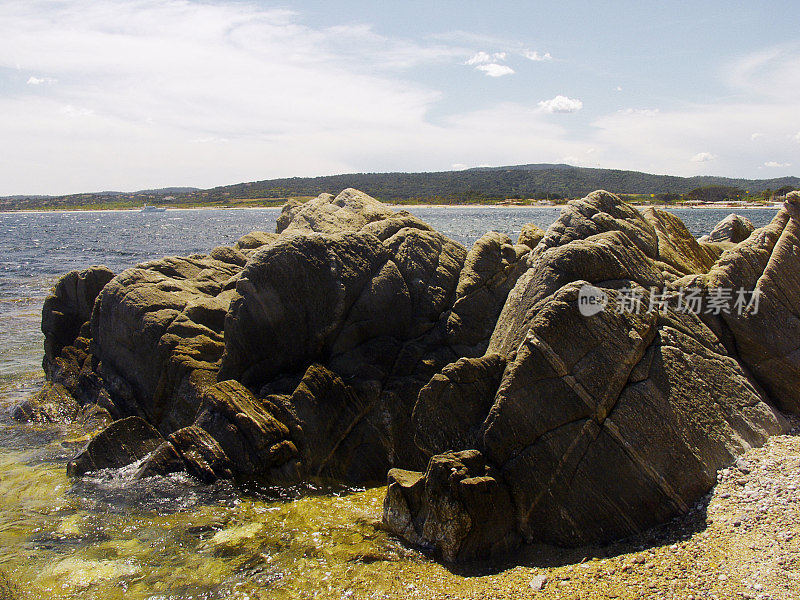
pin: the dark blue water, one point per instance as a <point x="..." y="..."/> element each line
<point x="36" y="248"/>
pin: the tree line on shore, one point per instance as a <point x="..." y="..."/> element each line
<point x="521" y="183"/>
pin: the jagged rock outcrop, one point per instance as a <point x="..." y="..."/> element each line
<point x="334" y="324"/>
<point x="349" y="211"/>
<point x="677" y="247"/>
<point x="457" y="509"/>
<point x="548" y="390"/>
<point x="764" y="321"/>
<point x="598" y="425"/>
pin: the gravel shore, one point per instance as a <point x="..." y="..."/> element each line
<point x="741" y="541"/>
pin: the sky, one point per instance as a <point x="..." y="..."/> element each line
<point x="127" y="95"/>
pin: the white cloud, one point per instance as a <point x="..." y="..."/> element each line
<point x="619" y="88"/>
<point x="495" y="70"/>
<point x="481" y="58"/>
<point x="561" y="104"/>
<point x="73" y="112"/>
<point x="535" y="56"/>
<point x="645" y="112"/>
<point x="32" y="80"/>
<point x="458" y="166"/>
<point x="777" y="165"/>
<point x="209" y="140"/>
<point x="773" y="72"/>
<point x="171" y="92"/>
<point x="702" y="157"/>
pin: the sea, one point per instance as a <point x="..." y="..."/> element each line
<point x="107" y="536"/>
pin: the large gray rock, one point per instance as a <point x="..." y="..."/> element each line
<point x="604" y="426"/>
<point x="334" y="324"/>
<point x="598" y="426"/>
<point x="356" y="339"/>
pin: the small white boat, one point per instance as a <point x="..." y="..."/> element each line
<point x="152" y="209"/>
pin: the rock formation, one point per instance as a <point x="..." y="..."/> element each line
<point x="732" y="229"/>
<point x="357" y="340"/>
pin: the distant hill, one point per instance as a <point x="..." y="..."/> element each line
<point x="481" y="184"/>
<point x="105" y="199"/>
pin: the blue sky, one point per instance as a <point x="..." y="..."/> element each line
<point x="124" y="95"/>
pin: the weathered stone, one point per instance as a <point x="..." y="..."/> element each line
<point x="677" y="247"/>
<point x="157" y="335"/>
<point x="764" y="267"/>
<point x="68" y="307"/>
<point x="202" y="455"/>
<point x="451" y="408"/>
<point x="246" y="429"/>
<point x="600" y="212"/>
<point x="254" y="240"/>
<point x="592" y="451"/>
<point x="227" y="254"/>
<point x="386" y="228"/>
<point x="457" y="509"/>
<point x="530" y="235"/>
<point x="733" y="228"/>
<point x="490" y="271"/>
<point x="294" y="297"/>
<point x="349" y="211"/>
<point x="339" y="441"/>
<point x="600" y="426"/>
<point x="121" y="443"/>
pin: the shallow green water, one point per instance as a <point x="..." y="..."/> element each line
<point x="110" y="537"/>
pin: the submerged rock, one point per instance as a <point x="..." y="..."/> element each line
<point x="121" y="443"/>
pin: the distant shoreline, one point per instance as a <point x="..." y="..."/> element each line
<point x="394" y="206"/>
